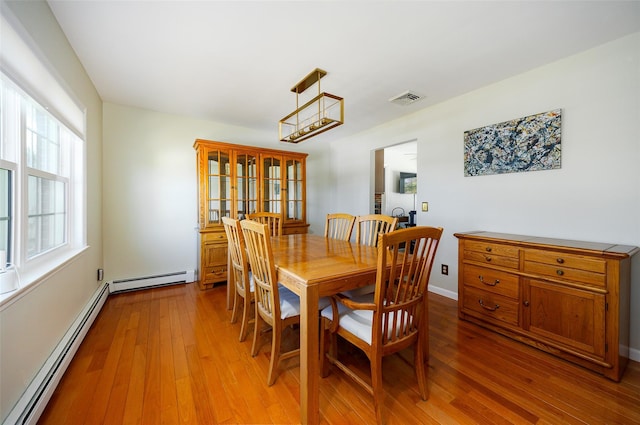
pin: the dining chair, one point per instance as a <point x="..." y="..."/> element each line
<point x="240" y="274"/>
<point x="368" y="230"/>
<point x="276" y="306"/>
<point x="274" y="220"/>
<point x="369" y="227"/>
<point x="339" y="226"/>
<point x="396" y="319"/>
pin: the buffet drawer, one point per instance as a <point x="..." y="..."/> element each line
<point x="490" y="306"/>
<point x="495" y="281"/>
<point x="566" y="267"/>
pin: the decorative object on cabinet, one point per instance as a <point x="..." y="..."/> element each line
<point x="236" y="180"/>
<point x="525" y="144"/>
<point x="568" y="298"/>
<point x="322" y="113"/>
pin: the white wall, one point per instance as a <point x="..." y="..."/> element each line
<point x="595" y="196"/>
<point x="32" y="325"/>
<point x="150" y="196"/>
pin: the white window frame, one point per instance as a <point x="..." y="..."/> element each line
<point x="25" y="272"/>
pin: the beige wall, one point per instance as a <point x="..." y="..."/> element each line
<point x="31" y="326"/>
<point x="595" y="196"/>
<point x="150" y="191"/>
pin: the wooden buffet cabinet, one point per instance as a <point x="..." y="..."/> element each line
<point x="235" y="180"/>
<point x="568" y="298"/>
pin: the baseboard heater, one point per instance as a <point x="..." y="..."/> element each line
<point x="151" y="281"/>
<point x="35" y="398"/>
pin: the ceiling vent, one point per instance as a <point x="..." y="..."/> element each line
<point x="406" y="98"/>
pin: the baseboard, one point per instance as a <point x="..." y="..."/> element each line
<point x="35" y="398"/>
<point x="443" y="292"/>
<point x="132" y="284"/>
<point x="634" y="354"/>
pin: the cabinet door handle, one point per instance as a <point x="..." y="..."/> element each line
<point x="526" y="303"/>
<point x="559" y="272"/>
<point x="494" y="283"/>
<point x="486" y="307"/>
<point x="560" y="260"/>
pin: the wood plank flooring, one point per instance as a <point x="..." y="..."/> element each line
<point x="169" y="355"/>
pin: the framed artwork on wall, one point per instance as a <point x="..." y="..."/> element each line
<point x="530" y="143"/>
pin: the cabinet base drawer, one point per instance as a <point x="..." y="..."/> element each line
<point x="490" y="306"/>
<point x="495" y="281"/>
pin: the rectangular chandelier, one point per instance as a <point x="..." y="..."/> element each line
<point x="322" y="113"/>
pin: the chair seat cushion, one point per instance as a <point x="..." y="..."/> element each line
<point x="357" y="322"/>
<point x="290" y="302"/>
<point x="252" y="285"/>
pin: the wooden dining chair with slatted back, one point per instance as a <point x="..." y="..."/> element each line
<point x="369" y="227"/>
<point x="368" y="230"/>
<point x="273" y="220"/>
<point x="398" y="316"/>
<point x="241" y="276"/>
<point x="276" y="306"/>
<point x="339" y="226"/>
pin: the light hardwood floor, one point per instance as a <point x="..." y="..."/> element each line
<point x="169" y="355"/>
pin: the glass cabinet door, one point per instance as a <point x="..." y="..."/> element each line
<point x="246" y="174"/>
<point x="271" y="181"/>
<point x="218" y="186"/>
<point x="294" y="180"/>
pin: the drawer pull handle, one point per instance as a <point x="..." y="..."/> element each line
<point x="488" y="249"/>
<point x="486" y="307"/>
<point x="559" y="272"/>
<point x="486" y="257"/>
<point x="560" y="260"/>
<point x="495" y="282"/>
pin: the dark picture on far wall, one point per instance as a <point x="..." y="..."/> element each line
<point x="531" y="143"/>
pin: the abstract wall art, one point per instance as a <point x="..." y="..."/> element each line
<point x="531" y="143"/>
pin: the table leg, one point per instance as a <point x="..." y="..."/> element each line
<point x="309" y="362"/>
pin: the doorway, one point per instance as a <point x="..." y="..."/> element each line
<point x="395" y="177"/>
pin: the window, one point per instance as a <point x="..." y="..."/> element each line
<point x="41" y="185"/>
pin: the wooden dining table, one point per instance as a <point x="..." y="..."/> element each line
<point x="313" y="266"/>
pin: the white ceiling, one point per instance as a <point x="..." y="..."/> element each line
<point x="236" y="61"/>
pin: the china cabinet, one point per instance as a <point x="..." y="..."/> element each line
<point x="569" y="298"/>
<point x="236" y="180"/>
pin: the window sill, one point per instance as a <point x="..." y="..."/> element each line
<point x="26" y="281"/>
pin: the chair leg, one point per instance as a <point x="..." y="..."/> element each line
<point x="236" y="302"/>
<point x="275" y="356"/>
<point x="256" y="334"/>
<point x="245" y="318"/>
<point x="421" y="366"/>
<point x="376" y="384"/>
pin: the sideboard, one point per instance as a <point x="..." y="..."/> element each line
<point x="569" y="298"/>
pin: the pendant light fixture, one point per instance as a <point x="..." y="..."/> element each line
<point x="324" y="112"/>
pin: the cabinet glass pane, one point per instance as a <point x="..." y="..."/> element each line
<point x="271" y="181"/>
<point x="219" y="186"/>
<point x="246" y="184"/>
<point x="294" y="190"/>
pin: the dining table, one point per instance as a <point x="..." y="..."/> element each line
<point x="314" y="266"/>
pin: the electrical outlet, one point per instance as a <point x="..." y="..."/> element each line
<point x="425" y="206"/>
<point x="444" y="269"/>
<point x="100" y="274"/>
